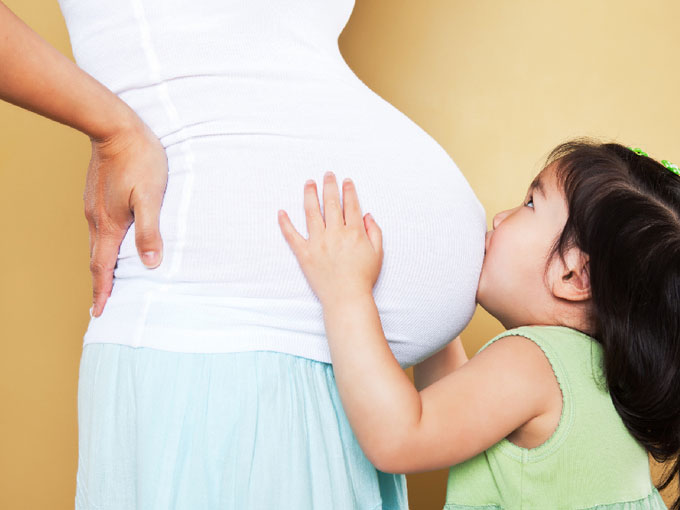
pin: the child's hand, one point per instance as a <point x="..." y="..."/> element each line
<point x="343" y="256"/>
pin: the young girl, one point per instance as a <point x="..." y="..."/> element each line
<point x="560" y="410"/>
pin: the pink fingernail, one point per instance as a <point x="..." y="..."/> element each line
<point x="149" y="257"/>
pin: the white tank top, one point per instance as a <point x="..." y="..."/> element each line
<point x="250" y="99"/>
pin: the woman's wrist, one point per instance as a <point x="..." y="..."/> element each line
<point x="115" y="117"/>
<point x="120" y="121"/>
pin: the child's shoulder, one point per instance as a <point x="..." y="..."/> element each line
<point x="551" y="339"/>
<point x="555" y="352"/>
<point x="522" y="348"/>
<point x="521" y="376"/>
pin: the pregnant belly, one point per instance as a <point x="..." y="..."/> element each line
<point x="221" y="235"/>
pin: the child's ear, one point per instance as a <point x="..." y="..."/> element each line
<point x="570" y="279"/>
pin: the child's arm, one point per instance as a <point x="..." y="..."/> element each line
<point x="438" y="365"/>
<point x="400" y="429"/>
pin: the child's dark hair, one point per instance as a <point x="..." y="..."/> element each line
<point x="624" y="214"/>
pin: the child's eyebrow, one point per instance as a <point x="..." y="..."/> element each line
<point x="537" y="185"/>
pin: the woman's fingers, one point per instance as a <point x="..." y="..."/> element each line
<point x="102" y="263"/>
<point x="146" y="207"/>
<point x="350" y="200"/>
<point x="332" y="209"/>
<point x="315" y="224"/>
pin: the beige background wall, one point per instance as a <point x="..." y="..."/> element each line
<point x="496" y="83"/>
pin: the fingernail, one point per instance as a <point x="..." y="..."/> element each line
<point x="92" y="311"/>
<point x="149" y="258"/>
<point x="329" y="174"/>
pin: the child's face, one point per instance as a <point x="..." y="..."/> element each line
<point x="512" y="286"/>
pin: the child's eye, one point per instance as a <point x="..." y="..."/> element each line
<point x="530" y="201"/>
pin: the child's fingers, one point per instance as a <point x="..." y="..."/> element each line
<point x="292" y="236"/>
<point x="315" y="225"/>
<point x="374" y="234"/>
<point x="331" y="202"/>
<point x="350" y="202"/>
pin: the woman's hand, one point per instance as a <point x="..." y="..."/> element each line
<point x="343" y="256"/>
<point x="126" y="181"/>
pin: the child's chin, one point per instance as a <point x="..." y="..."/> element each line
<point x="480" y="294"/>
<point x="479" y="299"/>
<point x="482" y="300"/>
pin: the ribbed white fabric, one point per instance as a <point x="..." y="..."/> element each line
<point x="251" y="99"/>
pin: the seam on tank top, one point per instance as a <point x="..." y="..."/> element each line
<point x="188" y="158"/>
<point x="521" y="480"/>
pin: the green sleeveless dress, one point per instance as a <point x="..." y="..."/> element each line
<point x="590" y="462"/>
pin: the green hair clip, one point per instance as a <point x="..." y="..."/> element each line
<point x="672" y="167"/>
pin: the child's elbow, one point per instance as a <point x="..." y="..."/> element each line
<point x="387" y="457"/>
<point x="405" y="454"/>
<point x="385" y="462"/>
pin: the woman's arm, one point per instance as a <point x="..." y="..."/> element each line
<point x="400" y="429"/>
<point x="438" y="365"/>
<point x="37" y="77"/>
<point x="127" y="174"/>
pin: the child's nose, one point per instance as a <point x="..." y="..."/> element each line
<point x="498" y="218"/>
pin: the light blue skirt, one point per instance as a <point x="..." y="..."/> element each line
<point x="161" y="430"/>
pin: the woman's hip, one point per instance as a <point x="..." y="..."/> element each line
<point x="256" y="429"/>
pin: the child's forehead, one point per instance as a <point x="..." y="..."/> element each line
<point x="545" y="181"/>
<point x="548" y="187"/>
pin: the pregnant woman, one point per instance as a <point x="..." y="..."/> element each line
<point x="206" y="382"/>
